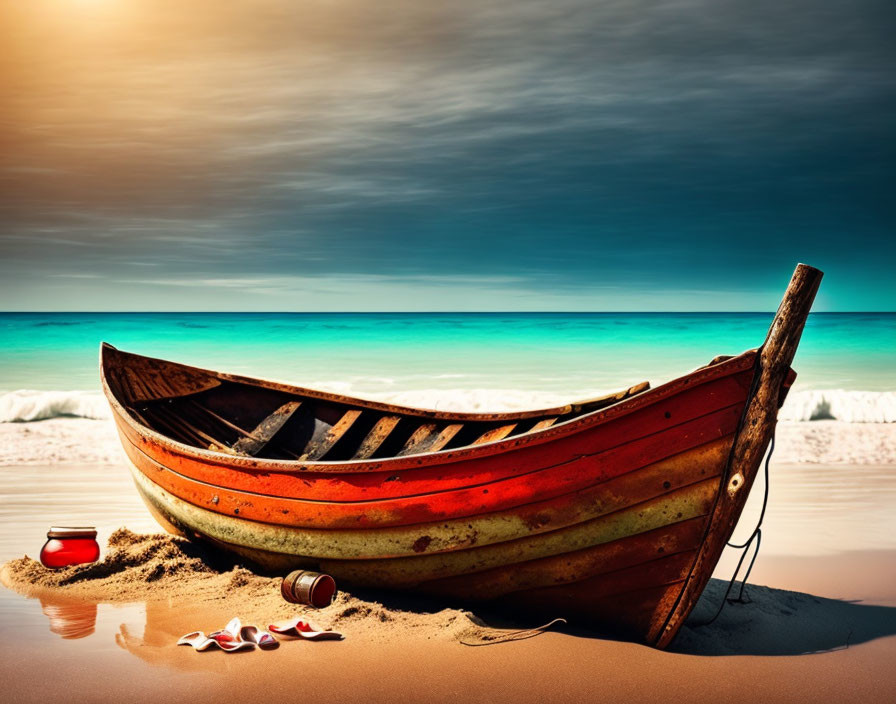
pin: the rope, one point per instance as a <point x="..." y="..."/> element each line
<point x="756" y="536"/>
<point x="522" y="634"/>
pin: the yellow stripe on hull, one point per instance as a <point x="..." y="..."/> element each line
<point x="353" y="556"/>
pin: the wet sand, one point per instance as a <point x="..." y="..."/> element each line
<point x="823" y="630"/>
<point x="129" y="654"/>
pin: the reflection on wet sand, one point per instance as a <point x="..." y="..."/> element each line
<point x="69" y="618"/>
<point x="165" y="623"/>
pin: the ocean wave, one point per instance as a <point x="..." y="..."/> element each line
<point x="847" y="406"/>
<point x="475" y="400"/>
<point x="25" y="405"/>
<point x="844" y="406"/>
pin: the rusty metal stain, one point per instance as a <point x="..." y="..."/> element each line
<point x="421" y="543"/>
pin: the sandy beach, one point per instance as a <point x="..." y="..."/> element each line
<point x="571" y="316"/>
<point x="820" y="623"/>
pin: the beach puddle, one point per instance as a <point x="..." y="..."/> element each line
<point x="70" y="619"/>
<point x="57" y="623"/>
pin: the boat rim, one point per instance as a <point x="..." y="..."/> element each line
<point x="623" y="407"/>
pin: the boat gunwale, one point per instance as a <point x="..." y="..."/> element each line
<point x="702" y="375"/>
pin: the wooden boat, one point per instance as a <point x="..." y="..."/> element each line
<point x="613" y="509"/>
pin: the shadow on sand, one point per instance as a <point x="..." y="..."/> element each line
<point x="779" y="622"/>
<point x="772" y="622"/>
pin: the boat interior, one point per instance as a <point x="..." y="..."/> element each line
<point x="253" y="418"/>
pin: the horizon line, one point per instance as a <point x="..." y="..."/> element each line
<point x="428" y="312"/>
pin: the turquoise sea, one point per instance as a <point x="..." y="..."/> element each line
<point x="488" y="357"/>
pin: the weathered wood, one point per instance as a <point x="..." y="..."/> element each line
<point x="529" y="511"/>
<point x="418" y="440"/>
<point x="608" y="399"/>
<point x="445" y="437"/>
<point x="643" y="434"/>
<point x="377" y="435"/>
<point x="213" y="442"/>
<point x="677" y="392"/>
<point x="317" y="450"/>
<point x="542" y="424"/>
<point x="436" y="552"/>
<point x="529" y="505"/>
<point x="754" y="433"/>
<point x="494" y="434"/>
<point x="178" y="430"/>
<point x="198" y="406"/>
<point x="145" y="379"/>
<point x="270" y="426"/>
<point x="573" y="566"/>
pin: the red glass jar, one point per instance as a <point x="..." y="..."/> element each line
<point x="69" y="546"/>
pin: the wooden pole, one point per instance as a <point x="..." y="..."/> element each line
<point x="775" y="357"/>
<point x="753" y="436"/>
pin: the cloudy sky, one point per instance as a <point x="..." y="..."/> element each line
<point x="471" y="155"/>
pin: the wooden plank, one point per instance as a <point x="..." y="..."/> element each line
<point x="213" y="442"/>
<point x="377" y="435"/>
<point x="671" y="569"/>
<point x="626" y="614"/>
<point x="429" y="552"/>
<point x="270" y="426"/>
<point x="494" y="434"/>
<point x="514" y="508"/>
<point x="542" y="424"/>
<point x="242" y="431"/>
<point x="178" y="432"/>
<point x="448" y="432"/>
<point x="625" y="600"/>
<point x="316" y="450"/>
<point x="178" y="420"/>
<point x="113" y="359"/>
<point x="594" y="404"/>
<point x="570" y="567"/>
<point x="417" y="441"/>
<point x="612" y="452"/>
<point x="145" y="379"/>
<point x="139" y="385"/>
<point x="753" y="436"/>
<point x="123" y="381"/>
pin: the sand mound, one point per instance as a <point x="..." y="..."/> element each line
<point x="162" y="567"/>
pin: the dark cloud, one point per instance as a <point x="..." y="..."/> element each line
<point x="550" y="147"/>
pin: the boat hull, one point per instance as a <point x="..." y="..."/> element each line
<point x="613" y="509"/>
<point x="620" y="571"/>
<point x="598" y="519"/>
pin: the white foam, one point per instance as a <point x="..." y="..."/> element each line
<point x="60" y="441"/>
<point x="26" y="405"/>
<point x="845" y="406"/>
<point x="476" y="400"/>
